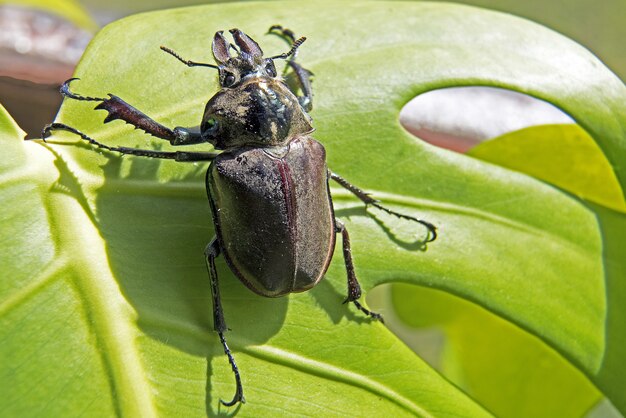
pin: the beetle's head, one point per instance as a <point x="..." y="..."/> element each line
<point x="247" y="62"/>
<point x="254" y="106"/>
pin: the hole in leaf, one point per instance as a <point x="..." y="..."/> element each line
<point x="458" y="118"/>
<point x="519" y="132"/>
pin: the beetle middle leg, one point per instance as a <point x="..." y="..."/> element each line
<point x="354" y="288"/>
<point x="369" y="200"/>
<point x="180" y="156"/>
<point x="219" y="323"/>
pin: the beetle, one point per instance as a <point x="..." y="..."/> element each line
<point x="269" y="187"/>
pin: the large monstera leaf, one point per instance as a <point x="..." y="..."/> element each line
<point x="105" y="303"/>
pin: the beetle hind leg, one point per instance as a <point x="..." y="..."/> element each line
<point x="354" y="288"/>
<point x="219" y="323"/>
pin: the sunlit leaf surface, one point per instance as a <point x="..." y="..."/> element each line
<point x="105" y="303"/>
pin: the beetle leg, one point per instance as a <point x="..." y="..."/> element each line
<point x="284" y="33"/>
<point x="119" y="109"/>
<point x="302" y="74"/>
<point x="304" y="80"/>
<point x="180" y="156"/>
<point x="368" y="200"/>
<point x="354" y="288"/>
<point x="211" y="252"/>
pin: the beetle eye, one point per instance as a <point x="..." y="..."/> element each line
<point x="229" y="80"/>
<point x="270" y="69"/>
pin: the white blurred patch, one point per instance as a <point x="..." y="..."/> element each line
<point x="459" y="118"/>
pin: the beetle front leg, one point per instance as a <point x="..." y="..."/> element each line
<point x="119" y="109"/>
<point x="302" y="74"/>
<point x="369" y="200"/>
<point x="304" y="79"/>
<point x="354" y="288"/>
<point x="219" y="323"/>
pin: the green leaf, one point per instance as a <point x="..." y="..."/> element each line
<point x="107" y="308"/>
<point x="563" y="155"/>
<point x="482" y="353"/>
<point x="506" y="369"/>
<point x="100" y="323"/>
<point x="585" y="172"/>
<point x="9" y="128"/>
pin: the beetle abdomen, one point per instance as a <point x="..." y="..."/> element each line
<point x="273" y="215"/>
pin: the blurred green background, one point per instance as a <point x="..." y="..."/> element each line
<point x="598" y="25"/>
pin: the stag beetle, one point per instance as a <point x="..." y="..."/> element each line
<point x="269" y="187"/>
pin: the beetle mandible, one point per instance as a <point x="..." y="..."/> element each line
<point x="269" y="187"/>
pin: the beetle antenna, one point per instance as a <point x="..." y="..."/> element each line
<point x="292" y="51"/>
<point x="188" y="63"/>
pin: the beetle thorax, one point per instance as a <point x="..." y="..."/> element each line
<point x="260" y="111"/>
